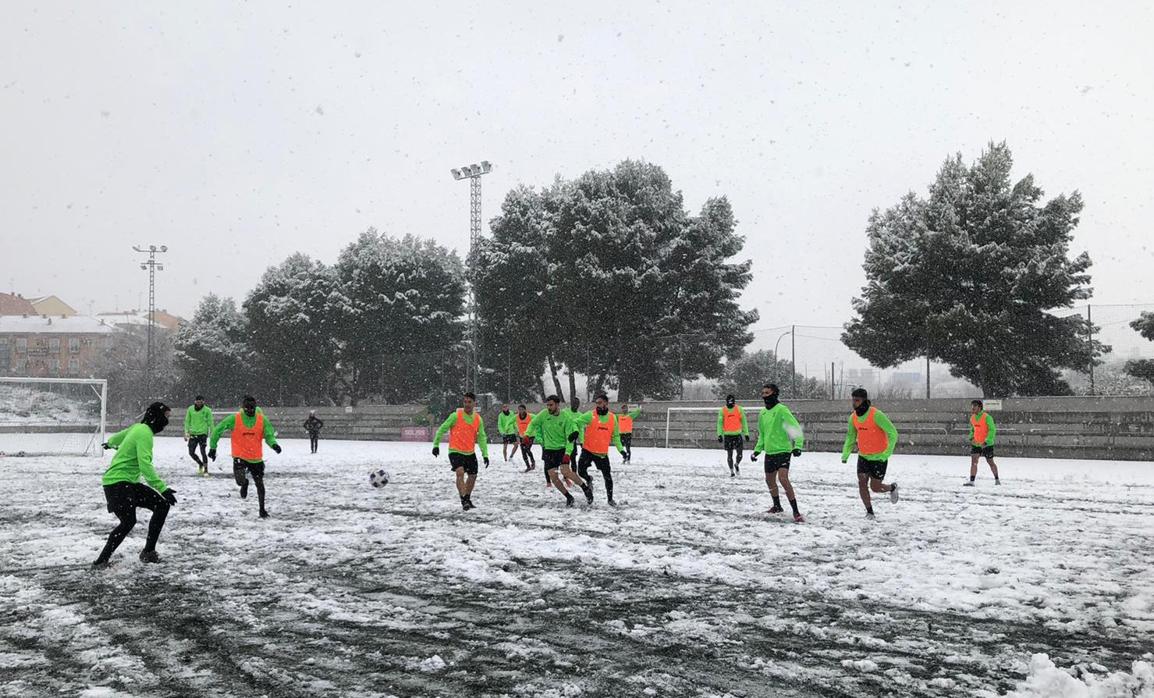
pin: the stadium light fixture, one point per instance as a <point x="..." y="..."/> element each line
<point x="473" y="173"/>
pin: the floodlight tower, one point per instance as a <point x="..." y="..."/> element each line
<point x="151" y="266"/>
<point x="473" y="173"/>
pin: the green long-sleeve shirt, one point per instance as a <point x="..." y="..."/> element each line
<point x="584" y="419"/>
<point x="778" y="431"/>
<point x="229" y="422"/>
<point x="721" y="423"/>
<point x="993" y="430"/>
<point x="198" y="422"/>
<point x="482" y="440"/>
<point x="571" y="416"/>
<point x="506" y="423"/>
<point x="133" y="459"/>
<point x="552" y="431"/>
<point x="885" y="424"/>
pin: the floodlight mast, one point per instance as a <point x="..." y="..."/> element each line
<point x="473" y="173"/>
<point x="151" y="266"/>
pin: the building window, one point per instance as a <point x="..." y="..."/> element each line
<point x="73" y="345"/>
<point x="54" y="365"/>
<point x="22" y="344"/>
<point x="74" y="366"/>
<point x="54" y="344"/>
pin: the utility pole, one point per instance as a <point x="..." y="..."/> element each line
<point x="927" y="376"/>
<point x="793" y="359"/>
<point x="1090" y="336"/>
<point x="473" y="173"/>
<point x="151" y="266"/>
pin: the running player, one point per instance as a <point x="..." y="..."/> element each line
<point x="507" y="428"/>
<point x="313" y="426"/>
<point x="523" y="420"/>
<point x="982" y="432"/>
<point x="197" y="426"/>
<point x="601" y="428"/>
<point x="123" y="490"/>
<point x="466" y="430"/>
<point x="250" y="432"/>
<point x="625" y="424"/>
<point x="571" y="413"/>
<point x="558" y="440"/>
<point x="732" y="428"/>
<point x="876" y="438"/>
<point x="778" y="437"/>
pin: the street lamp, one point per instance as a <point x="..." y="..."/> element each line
<point x="473" y="173"/>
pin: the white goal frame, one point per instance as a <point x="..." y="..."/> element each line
<point x="669" y="416"/>
<point x="99" y="387"/>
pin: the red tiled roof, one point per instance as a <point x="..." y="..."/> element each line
<point x="15" y="305"/>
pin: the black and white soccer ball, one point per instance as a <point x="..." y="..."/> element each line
<point x="379" y="477"/>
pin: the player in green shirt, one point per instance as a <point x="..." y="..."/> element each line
<point x="605" y="433"/>
<point x="982" y="433"/>
<point x="466" y="430"/>
<point x="627" y="417"/>
<point x="876" y="439"/>
<point x="198" y="425"/>
<point x="507" y="428"/>
<point x="248" y="437"/>
<point x="123" y="490"/>
<point x="779" y="437"/>
<point x="558" y="437"/>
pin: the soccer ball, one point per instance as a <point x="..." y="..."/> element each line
<point x="379" y="478"/>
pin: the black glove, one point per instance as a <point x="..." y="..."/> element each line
<point x="747" y="438"/>
<point x="105" y="446"/>
<point x="169" y="496"/>
<point x="754" y="457"/>
<point x="486" y="459"/>
<point x="622" y="454"/>
<point x="212" y="454"/>
<point x="573" y="437"/>
<point x="720" y="439"/>
<point x="797" y="453"/>
<point x="436" y="451"/>
<point x="276" y="447"/>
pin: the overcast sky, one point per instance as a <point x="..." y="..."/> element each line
<point x="238" y="134"/>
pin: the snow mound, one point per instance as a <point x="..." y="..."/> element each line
<point x="1048" y="681"/>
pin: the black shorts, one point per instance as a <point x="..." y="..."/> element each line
<point x="774" y="461"/>
<point x="198" y="440"/>
<point x="985" y="451"/>
<point x="552" y="457"/>
<point x="240" y="466"/>
<point x="733" y="441"/>
<point x="876" y="469"/>
<point x="462" y="460"/>
<point x="509" y="438"/>
<point x="124" y="496"/>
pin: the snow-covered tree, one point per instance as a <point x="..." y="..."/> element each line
<point x="213" y="354"/>
<point x="293" y="316"/>
<point x="745" y="375"/>
<point x="1143" y="368"/>
<point x="398" y="317"/>
<point x="617" y="281"/>
<point x="968" y="276"/>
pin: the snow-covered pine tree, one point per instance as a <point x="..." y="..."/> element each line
<point x="968" y="276"/>
<point x="1143" y="368"/>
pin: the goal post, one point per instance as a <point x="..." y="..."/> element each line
<point x="52" y="416"/>
<point x="696" y="433"/>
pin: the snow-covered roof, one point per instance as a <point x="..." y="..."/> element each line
<point x="36" y="324"/>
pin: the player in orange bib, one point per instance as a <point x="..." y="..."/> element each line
<point x="876" y="438"/>
<point x="601" y="429"/>
<point x="250" y="431"/>
<point x="523" y="419"/>
<point x="466" y="429"/>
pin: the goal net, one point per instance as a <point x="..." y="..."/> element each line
<point x="52" y="416"/>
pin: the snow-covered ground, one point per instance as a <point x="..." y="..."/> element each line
<point x="688" y="588"/>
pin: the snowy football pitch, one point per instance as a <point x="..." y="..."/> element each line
<point x="687" y="589"/>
